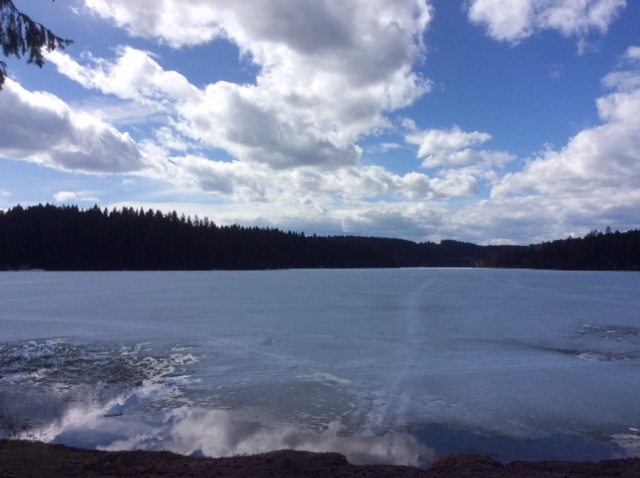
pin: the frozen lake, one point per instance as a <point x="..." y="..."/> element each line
<point x="394" y="366"/>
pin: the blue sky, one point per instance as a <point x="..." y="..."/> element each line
<point x="490" y="121"/>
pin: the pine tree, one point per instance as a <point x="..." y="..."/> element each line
<point x="20" y="35"/>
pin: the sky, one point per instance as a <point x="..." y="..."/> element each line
<point x="488" y="121"/>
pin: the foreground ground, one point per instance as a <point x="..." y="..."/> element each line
<point x="24" y="459"/>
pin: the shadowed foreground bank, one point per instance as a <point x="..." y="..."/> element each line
<point x="23" y="459"/>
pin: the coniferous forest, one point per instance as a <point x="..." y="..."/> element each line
<point x="69" y="238"/>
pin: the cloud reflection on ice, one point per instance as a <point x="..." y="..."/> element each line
<point x="227" y="433"/>
<point x="93" y="396"/>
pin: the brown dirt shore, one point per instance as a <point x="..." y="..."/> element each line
<point x="25" y="459"/>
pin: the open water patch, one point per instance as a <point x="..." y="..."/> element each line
<point x="607" y="343"/>
<point x="612" y="332"/>
<point x="594" y="343"/>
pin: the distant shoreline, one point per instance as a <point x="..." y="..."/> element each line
<point x="68" y="238"/>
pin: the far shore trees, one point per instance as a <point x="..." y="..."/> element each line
<point x="68" y="238"/>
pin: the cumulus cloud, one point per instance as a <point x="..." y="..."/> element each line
<point x="134" y="75"/>
<point x="303" y="187"/>
<point x="328" y="73"/>
<point x="46" y="131"/>
<point x="453" y="149"/>
<point x="516" y="20"/>
<point x="374" y="181"/>
<point x="199" y="21"/>
<point x="626" y="78"/>
<point x="443" y="148"/>
<point x="597" y="174"/>
<point x="438" y="141"/>
<point x="81" y="196"/>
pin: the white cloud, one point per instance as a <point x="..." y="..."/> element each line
<point x="626" y="78"/>
<point x="389" y="146"/>
<point x="199" y="21"/>
<point x="135" y="75"/>
<point x="596" y="175"/>
<point x="81" y="196"/>
<point x="516" y="20"/>
<point x="437" y="141"/>
<point x="633" y="53"/>
<point x="442" y="149"/>
<point x="374" y="181"/>
<point x="65" y="196"/>
<point x="44" y="130"/>
<point x="302" y="187"/>
<point x="328" y="73"/>
<point x="169" y="140"/>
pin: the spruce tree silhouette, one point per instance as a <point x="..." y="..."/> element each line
<point x="20" y="35"/>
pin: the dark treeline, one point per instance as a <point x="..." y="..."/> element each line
<point x="68" y="238"/>
<point x="404" y="253"/>
<point x="596" y="251"/>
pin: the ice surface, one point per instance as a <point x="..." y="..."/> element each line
<point x="358" y="361"/>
